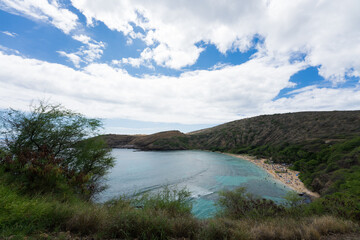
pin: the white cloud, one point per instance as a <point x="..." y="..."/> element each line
<point x="205" y="96"/>
<point x="327" y="32"/>
<point x="172" y="28"/>
<point x="304" y="89"/>
<point x="43" y="10"/>
<point x="10" y="34"/>
<point x="317" y="99"/>
<point x="75" y="59"/>
<point x="82" y="38"/>
<point x="88" y="53"/>
<point x="9" y="50"/>
<point x="103" y="91"/>
<point x="145" y="59"/>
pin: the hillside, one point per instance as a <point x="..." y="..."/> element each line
<point x="292" y="128"/>
<point x="157" y="141"/>
<point x="279" y="129"/>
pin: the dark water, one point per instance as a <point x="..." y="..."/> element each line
<point x="202" y="173"/>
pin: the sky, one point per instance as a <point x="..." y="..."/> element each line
<point x="149" y="66"/>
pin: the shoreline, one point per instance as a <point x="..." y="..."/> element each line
<point x="282" y="173"/>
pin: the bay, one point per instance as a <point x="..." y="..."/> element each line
<point x="203" y="173"/>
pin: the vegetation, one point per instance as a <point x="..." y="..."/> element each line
<point x="237" y="205"/>
<point x="164" y="215"/>
<point x="52" y="164"/>
<point x="160" y="216"/>
<point x="46" y="150"/>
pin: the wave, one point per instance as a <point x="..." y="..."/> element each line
<point x="197" y="192"/>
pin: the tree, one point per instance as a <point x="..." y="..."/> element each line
<point x="50" y="142"/>
<point x="293" y="199"/>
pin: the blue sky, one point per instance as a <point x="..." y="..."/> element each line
<point x="148" y="67"/>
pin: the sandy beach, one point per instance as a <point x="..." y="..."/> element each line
<point x="281" y="173"/>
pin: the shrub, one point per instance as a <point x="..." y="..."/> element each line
<point x="343" y="205"/>
<point x="173" y="202"/>
<point x="25" y="215"/>
<point x="49" y="145"/>
<point x="237" y="204"/>
<point x="160" y="216"/>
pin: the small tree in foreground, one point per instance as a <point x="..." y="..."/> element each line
<point x="238" y="204"/>
<point x="49" y="149"/>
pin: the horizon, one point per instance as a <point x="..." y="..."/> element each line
<point x="211" y="126"/>
<point x="149" y="67"/>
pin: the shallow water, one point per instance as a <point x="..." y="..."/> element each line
<point x="202" y="173"/>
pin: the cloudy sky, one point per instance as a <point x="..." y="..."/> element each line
<point x="146" y="66"/>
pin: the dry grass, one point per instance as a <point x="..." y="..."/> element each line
<point x="278" y="228"/>
<point x="328" y="224"/>
<point x="87" y="222"/>
<point x="307" y="228"/>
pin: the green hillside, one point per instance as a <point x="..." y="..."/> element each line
<point x="279" y="129"/>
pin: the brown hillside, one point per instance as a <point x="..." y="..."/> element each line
<point x="280" y="128"/>
<point x="277" y="129"/>
<point x="144" y="142"/>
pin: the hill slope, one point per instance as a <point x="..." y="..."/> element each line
<point x="279" y="129"/>
<point x="158" y="141"/>
<point x="291" y="128"/>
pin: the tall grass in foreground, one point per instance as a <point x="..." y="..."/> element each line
<point x="165" y="215"/>
<point x="275" y="228"/>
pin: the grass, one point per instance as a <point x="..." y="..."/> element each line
<point x="23" y="215"/>
<point x="306" y="228"/>
<point x="165" y="215"/>
<point x="275" y="228"/>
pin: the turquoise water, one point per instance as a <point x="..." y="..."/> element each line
<point x="202" y="173"/>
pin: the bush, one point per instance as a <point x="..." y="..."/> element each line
<point x="237" y="205"/>
<point x="158" y="216"/>
<point x="25" y="215"/>
<point x="47" y="148"/>
<point x="173" y="202"/>
<point x="343" y="205"/>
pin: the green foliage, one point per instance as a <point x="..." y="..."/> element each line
<point x="24" y="215"/>
<point x="57" y="128"/>
<point x="172" y="201"/>
<point x="46" y="150"/>
<point x="343" y="205"/>
<point x="293" y="199"/>
<point x="38" y="173"/>
<point x="237" y="204"/>
<point x="121" y="219"/>
<point x="164" y="215"/>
